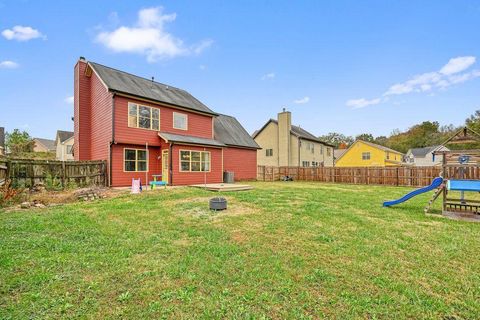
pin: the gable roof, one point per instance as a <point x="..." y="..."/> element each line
<point x="296" y="131"/>
<point x="47" y="143"/>
<point x="379" y="147"/>
<point x="228" y="130"/>
<point x="423" y="152"/>
<point x="123" y="82"/>
<point x="64" y="135"/>
<point x="337" y="153"/>
<point x="374" y="145"/>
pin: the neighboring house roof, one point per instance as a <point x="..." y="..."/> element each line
<point x="127" y="83"/>
<point x="229" y="131"/>
<point x="47" y="143"/>
<point x="296" y="131"/>
<point x="64" y="135"/>
<point x="423" y="152"/>
<point x="171" y="137"/>
<point x="2" y="137"/>
<point x="337" y="153"/>
<point x="372" y="145"/>
<point x="379" y="147"/>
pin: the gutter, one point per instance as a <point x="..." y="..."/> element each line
<point x="112" y="142"/>
<point x="170" y="164"/>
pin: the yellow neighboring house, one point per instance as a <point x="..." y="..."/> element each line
<point x="367" y="154"/>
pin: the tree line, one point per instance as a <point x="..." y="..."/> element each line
<point x="427" y="133"/>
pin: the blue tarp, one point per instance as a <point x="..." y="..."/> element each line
<point x="463" y="185"/>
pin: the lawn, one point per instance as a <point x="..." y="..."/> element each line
<point x="284" y="250"/>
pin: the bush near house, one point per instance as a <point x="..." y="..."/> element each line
<point x="284" y="250"/>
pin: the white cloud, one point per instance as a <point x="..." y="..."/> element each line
<point x="202" y="67"/>
<point x="302" y="100"/>
<point x="21" y="33"/>
<point x="362" y="102"/>
<point x="458" y="64"/>
<point x="69" y="100"/>
<point x="267" y="76"/>
<point x="452" y="73"/>
<point x="7" y="64"/>
<point x="149" y="37"/>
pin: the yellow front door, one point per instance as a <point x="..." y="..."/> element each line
<point x="165" y="165"/>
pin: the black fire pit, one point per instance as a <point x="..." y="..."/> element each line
<point x="218" y="203"/>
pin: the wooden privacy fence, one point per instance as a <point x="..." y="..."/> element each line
<point x="392" y="176"/>
<point x="55" y="174"/>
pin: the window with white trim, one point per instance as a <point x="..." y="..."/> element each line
<point x="305" y="163"/>
<point x="144" y="117"/>
<point x="135" y="160"/>
<point x="194" y="161"/>
<point x="69" y="149"/>
<point x="180" y="121"/>
<point x="269" y="152"/>
<point x="365" y="155"/>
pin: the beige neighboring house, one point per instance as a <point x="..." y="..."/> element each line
<point x="43" y="145"/>
<point x="284" y="144"/>
<point x="64" y="145"/>
<point x="423" y="157"/>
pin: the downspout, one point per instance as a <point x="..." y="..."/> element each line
<point x="299" y="148"/>
<point x="170" y="164"/>
<point x="112" y="142"/>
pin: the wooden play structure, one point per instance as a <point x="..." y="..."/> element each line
<point x="461" y="172"/>
<point x="459" y="180"/>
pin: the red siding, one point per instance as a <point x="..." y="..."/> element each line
<point x="101" y="120"/>
<point x="121" y="178"/>
<point x="186" y="178"/>
<point x="198" y="125"/>
<point x="82" y="112"/>
<point x="243" y="162"/>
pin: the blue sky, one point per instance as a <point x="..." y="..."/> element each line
<point x="343" y="66"/>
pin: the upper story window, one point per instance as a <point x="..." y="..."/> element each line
<point x="388" y="155"/>
<point x="321" y="149"/>
<point x="144" y="117"/>
<point x="180" y="121"/>
<point x="329" y="152"/>
<point x="269" y="152"/>
<point x="69" y="149"/>
<point x="365" y="155"/>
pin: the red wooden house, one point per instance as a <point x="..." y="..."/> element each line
<point x="144" y="128"/>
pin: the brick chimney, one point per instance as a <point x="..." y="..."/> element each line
<point x="284" y="127"/>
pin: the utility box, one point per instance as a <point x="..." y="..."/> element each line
<point x="228" y="177"/>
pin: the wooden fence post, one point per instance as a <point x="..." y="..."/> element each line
<point x="64" y="173"/>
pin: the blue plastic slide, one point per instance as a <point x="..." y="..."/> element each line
<point x="437" y="182"/>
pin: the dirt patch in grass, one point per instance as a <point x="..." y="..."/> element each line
<point x="199" y="208"/>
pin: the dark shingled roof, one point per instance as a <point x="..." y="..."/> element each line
<point x="64" y="135"/>
<point x="2" y="137"/>
<point x="47" y="143"/>
<point x="127" y="83"/>
<point x="229" y="131"/>
<point x="422" y="152"/>
<point x="296" y="131"/>
<point x="171" y="137"/>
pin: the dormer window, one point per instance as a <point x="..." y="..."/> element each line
<point x="180" y="121"/>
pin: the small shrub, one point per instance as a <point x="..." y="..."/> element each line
<point x="53" y="183"/>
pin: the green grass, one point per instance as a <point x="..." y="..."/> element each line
<point x="284" y="250"/>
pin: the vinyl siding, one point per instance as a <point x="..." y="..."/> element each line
<point x="198" y="125"/>
<point x="187" y="178"/>
<point x="121" y="178"/>
<point x="82" y="112"/>
<point x="243" y="162"/>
